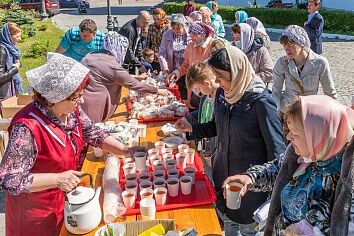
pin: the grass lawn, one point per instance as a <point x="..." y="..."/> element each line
<point x="50" y="37"/>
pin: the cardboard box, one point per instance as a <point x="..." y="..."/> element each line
<point x="13" y="104"/>
<point x="4" y="124"/>
<point x="134" y="228"/>
<point x="24" y="99"/>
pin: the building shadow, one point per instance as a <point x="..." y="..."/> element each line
<point x="115" y="10"/>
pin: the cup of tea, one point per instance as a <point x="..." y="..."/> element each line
<point x="132" y="185"/>
<point x="148" y="208"/>
<point x="146" y="193"/>
<point x="159" y="145"/>
<point x="181" y="160"/>
<point x="140" y="161"/>
<point x="173" y="186"/>
<point x="189" y="155"/>
<point x="167" y="156"/>
<point x="145" y="184"/>
<point x="153" y="151"/>
<point x="186" y="184"/>
<point x="190" y="171"/>
<point x="160" y="196"/>
<point x="98" y="152"/>
<point x="172" y="173"/>
<point x="129" y="168"/>
<point x="233" y="200"/>
<point x="144" y="176"/>
<point x="166" y="150"/>
<point x="131" y="177"/>
<point x="158" y="165"/>
<point x="182" y="147"/>
<point x="159" y="182"/>
<point x="153" y="158"/>
<point x="129" y="196"/>
<point x="159" y="174"/>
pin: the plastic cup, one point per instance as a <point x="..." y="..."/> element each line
<point x="148" y="208"/>
<point x="190" y="171"/>
<point x="172" y="173"/>
<point x="166" y="150"/>
<point x="233" y="200"/>
<point x="146" y="193"/>
<point x="129" y="168"/>
<point x="153" y="151"/>
<point x="129" y="197"/>
<point x="171" y="164"/>
<point x="146" y="184"/>
<point x="144" y="176"/>
<point x="160" y="196"/>
<point x="131" y="185"/>
<point x="159" y="174"/>
<point x="98" y="152"/>
<point x="153" y="158"/>
<point x="186" y="185"/>
<point x="189" y="155"/>
<point x="131" y="177"/>
<point x="140" y="161"/>
<point x="159" y="182"/>
<point x="159" y="145"/>
<point x="181" y="160"/>
<point x="158" y="165"/>
<point x="168" y="156"/>
<point x="173" y="186"/>
<point x="182" y="147"/>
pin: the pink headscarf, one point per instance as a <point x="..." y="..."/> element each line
<point x="328" y="127"/>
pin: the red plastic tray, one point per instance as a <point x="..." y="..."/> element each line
<point x="202" y="192"/>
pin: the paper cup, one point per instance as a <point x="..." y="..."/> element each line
<point x="98" y="152"/>
<point x="190" y="171"/>
<point x="146" y="184"/>
<point x="182" y="147"/>
<point x="159" y="182"/>
<point x="170" y="164"/>
<point x="186" y="184"/>
<point x="172" y="173"/>
<point x="153" y="151"/>
<point x="159" y="174"/>
<point x="166" y="150"/>
<point x="129" y="197"/>
<point x="233" y="200"/>
<point x="131" y="177"/>
<point x="189" y="155"/>
<point x="131" y="185"/>
<point x="144" y="176"/>
<point x="168" y="156"/>
<point x="160" y="196"/>
<point x="158" y="165"/>
<point x="159" y="145"/>
<point x="140" y="161"/>
<point x="181" y="160"/>
<point x="173" y="186"/>
<point x="129" y="168"/>
<point x="147" y="208"/>
<point x="146" y="193"/>
<point x="153" y="158"/>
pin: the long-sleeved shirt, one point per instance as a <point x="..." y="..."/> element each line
<point x="21" y="151"/>
<point x="154" y="36"/>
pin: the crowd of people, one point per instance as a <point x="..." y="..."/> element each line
<point x="283" y="143"/>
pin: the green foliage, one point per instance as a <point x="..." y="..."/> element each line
<point x="37" y="50"/>
<point x="25" y="19"/>
<point x="335" y="21"/>
<point x="42" y="27"/>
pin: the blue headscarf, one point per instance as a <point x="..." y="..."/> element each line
<point x="242" y="17"/>
<point x="13" y="54"/>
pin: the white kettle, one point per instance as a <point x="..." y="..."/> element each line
<point x="82" y="211"/>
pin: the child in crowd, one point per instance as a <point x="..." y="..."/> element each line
<point x="148" y="57"/>
<point x="189" y="8"/>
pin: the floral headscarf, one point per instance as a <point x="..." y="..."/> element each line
<point x="194" y="15"/>
<point x="298" y="35"/>
<point x="117" y="45"/>
<point x="328" y="127"/>
<point x="201" y="29"/>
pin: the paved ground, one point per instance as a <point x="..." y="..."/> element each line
<point x="339" y="54"/>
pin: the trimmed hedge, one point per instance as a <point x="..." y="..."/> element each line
<point x="335" y="21"/>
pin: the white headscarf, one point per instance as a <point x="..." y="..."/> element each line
<point x="256" y="25"/>
<point x="247" y="37"/>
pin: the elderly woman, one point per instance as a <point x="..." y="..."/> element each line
<point x="10" y="84"/>
<point x="312" y="182"/>
<point x="46" y="138"/>
<point x="206" y="15"/>
<point x="301" y="69"/>
<point x="157" y="29"/>
<point x="254" y="49"/>
<point x="259" y="30"/>
<point x="102" y="95"/>
<point x="216" y="20"/>
<point x="196" y="51"/>
<point x="248" y="129"/>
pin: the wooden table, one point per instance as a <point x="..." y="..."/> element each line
<point x="202" y="218"/>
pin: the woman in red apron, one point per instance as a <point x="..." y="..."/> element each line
<point x="46" y="138"/>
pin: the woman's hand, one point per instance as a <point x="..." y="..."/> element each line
<point x="68" y="180"/>
<point x="184" y="125"/>
<point x="245" y="180"/>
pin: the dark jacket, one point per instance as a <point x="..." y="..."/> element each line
<point x="314" y="29"/>
<point x="129" y="30"/>
<point x="249" y="133"/>
<point x="6" y="74"/>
